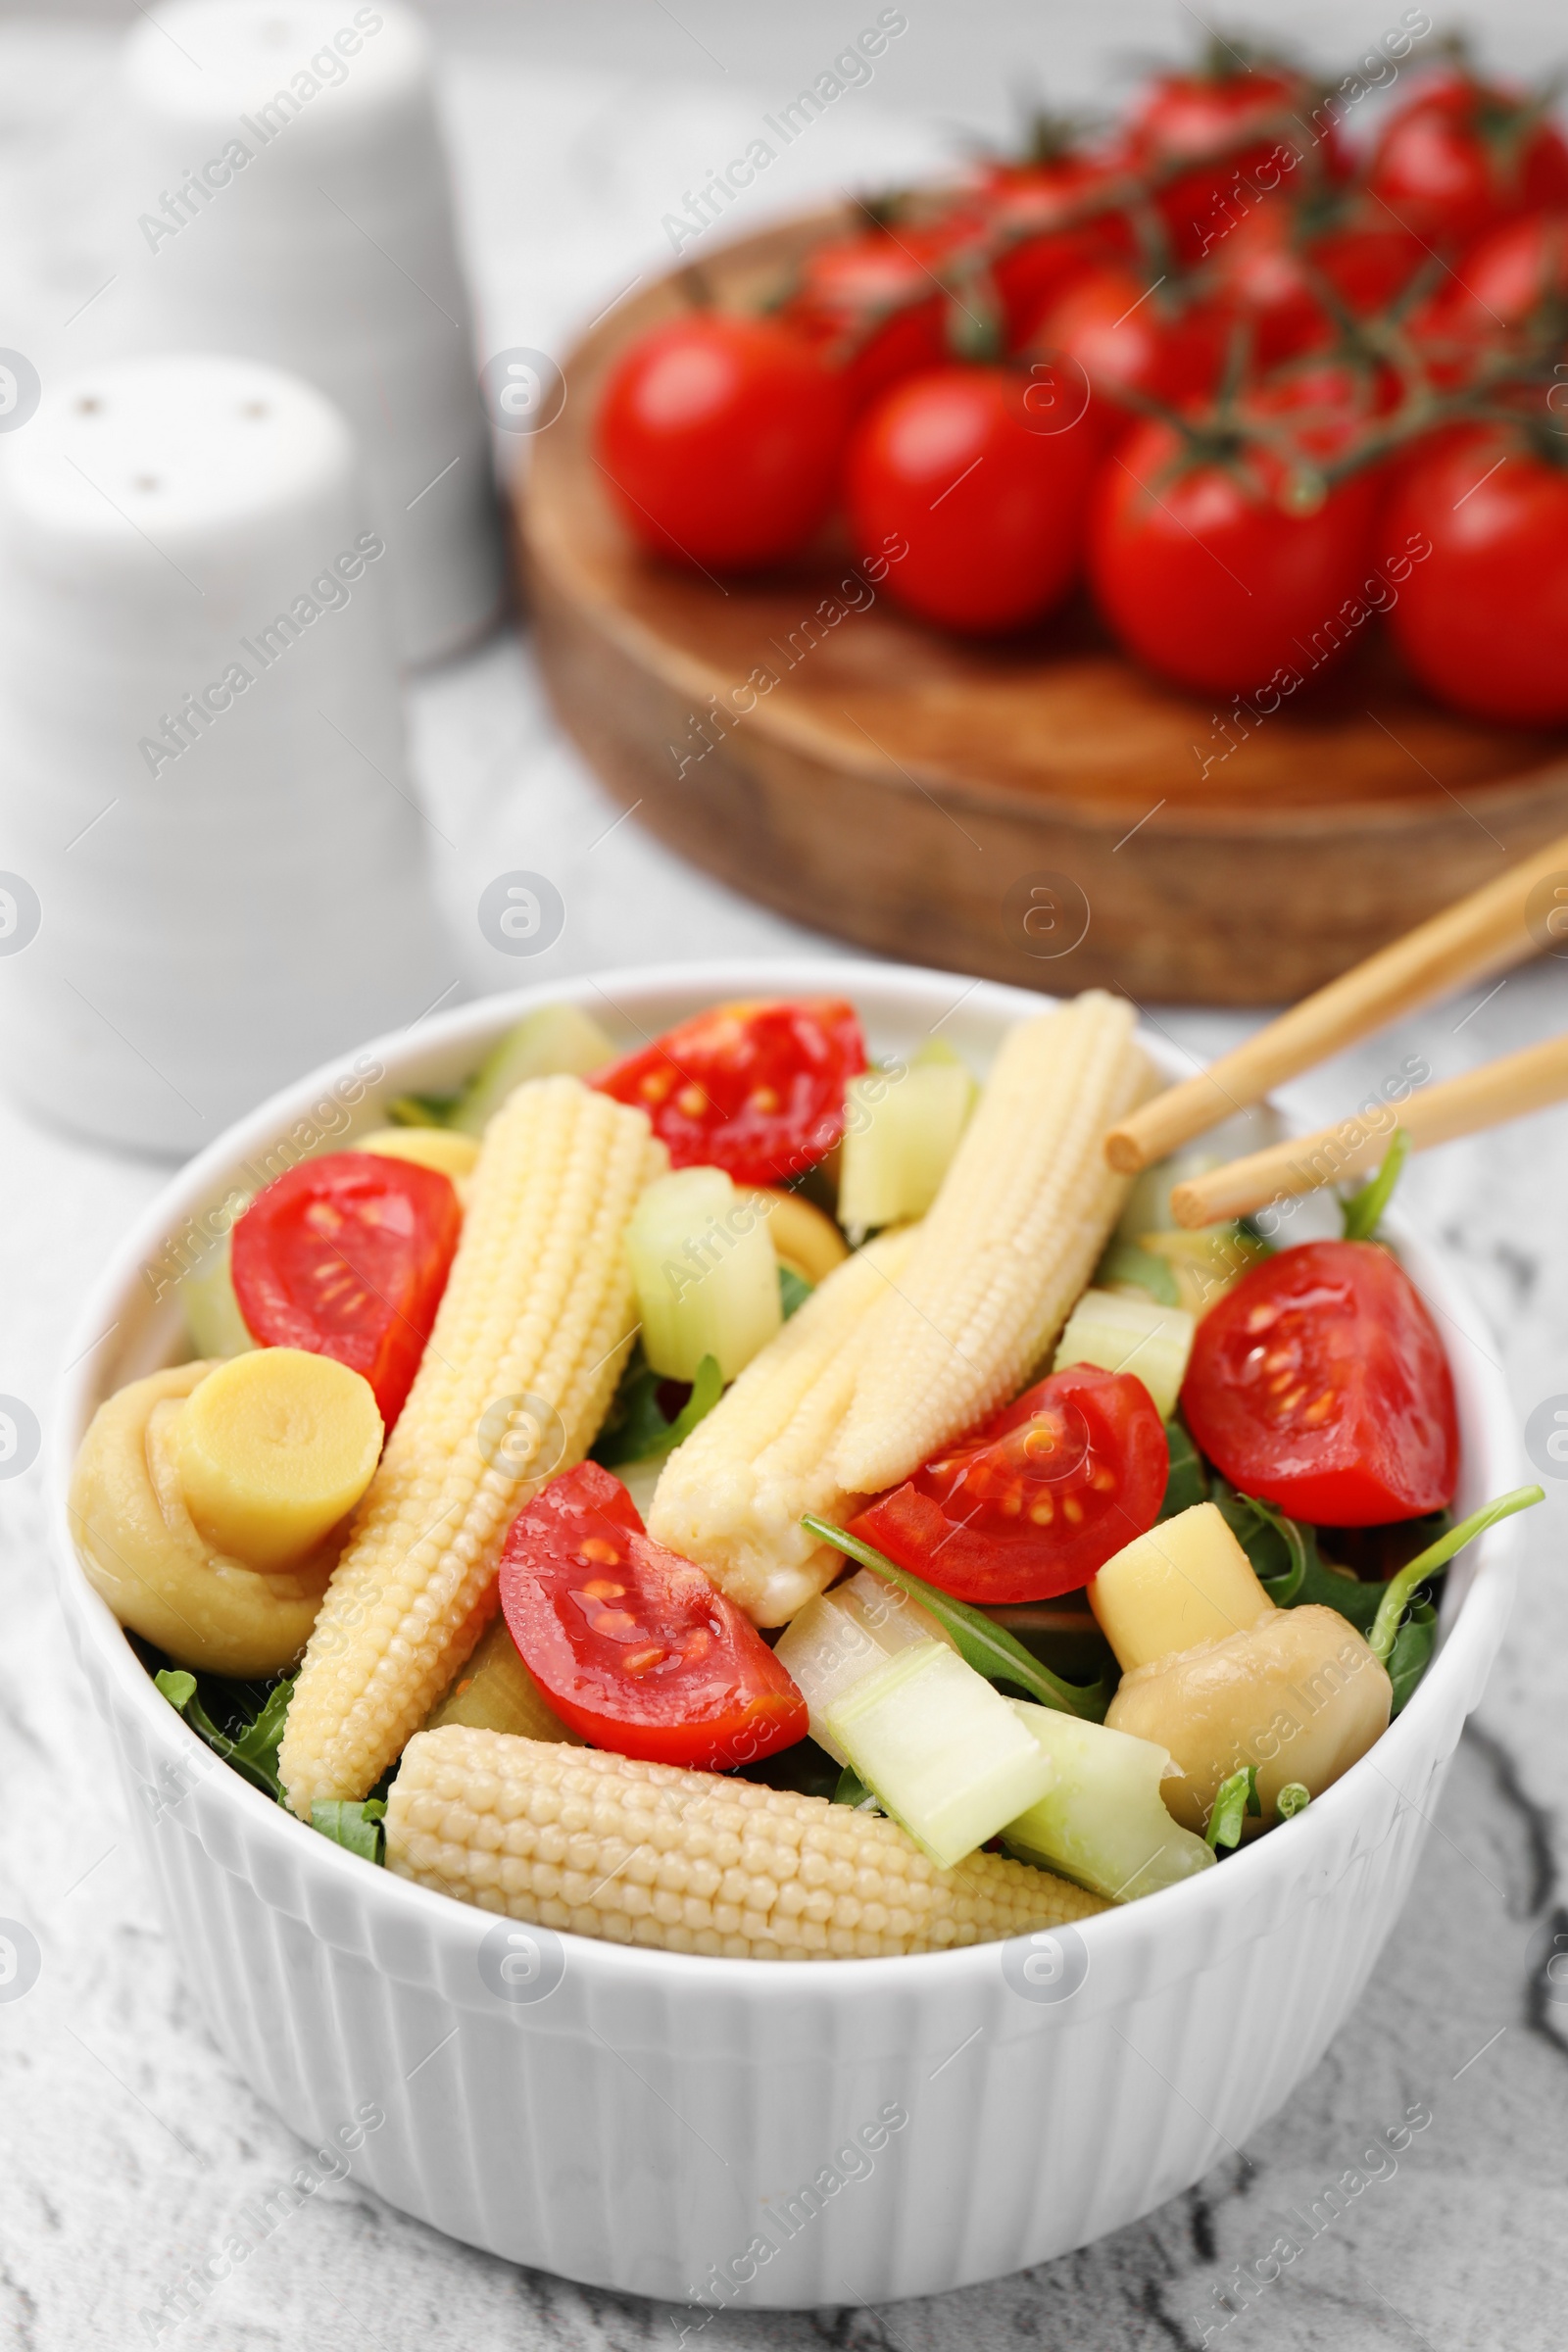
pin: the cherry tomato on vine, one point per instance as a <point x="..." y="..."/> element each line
<point x="1509" y="276"/>
<point x="1462" y="155"/>
<point x="1319" y="1384"/>
<point x="990" y="508"/>
<point x="1247" y="130"/>
<point x="1037" y="214"/>
<point x="347" y="1257"/>
<point x="720" y="440"/>
<point x="631" y="1644"/>
<point x="875" y="307"/>
<point x="1204" y="571"/>
<point x="1483" y="620"/>
<point x="1119" y="329"/>
<point x="754" y="1088"/>
<point x="1284" y="284"/>
<point x="1038" y="1500"/>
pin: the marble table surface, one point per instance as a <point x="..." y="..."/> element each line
<point x="126" y="2139"/>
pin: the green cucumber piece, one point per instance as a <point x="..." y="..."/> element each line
<point x="212" y="1311"/>
<point x="941" y="1750"/>
<point x="900" y="1133"/>
<point x="844" y="1636"/>
<point x="1131" y="1335"/>
<point x="1103" y="1823"/>
<point x="706" y="1278"/>
<point x="557" y="1039"/>
<point x="1127" y="1262"/>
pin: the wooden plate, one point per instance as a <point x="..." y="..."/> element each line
<point x="1041" y="812"/>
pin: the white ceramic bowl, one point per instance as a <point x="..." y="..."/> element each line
<point x="731" y="2129"/>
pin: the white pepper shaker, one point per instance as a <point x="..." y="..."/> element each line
<point x="205" y="812"/>
<point x="290" y="188"/>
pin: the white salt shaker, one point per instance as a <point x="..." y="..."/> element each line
<point x="213" y="866"/>
<point x="291" y="194"/>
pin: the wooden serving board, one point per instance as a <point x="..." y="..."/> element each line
<point x="1040" y="811"/>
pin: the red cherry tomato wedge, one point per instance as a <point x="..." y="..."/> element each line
<point x="754" y="1088"/>
<point x="1039" y="1500"/>
<point x="632" y="1645"/>
<point x="347" y="1257"/>
<point x="1320" y="1385"/>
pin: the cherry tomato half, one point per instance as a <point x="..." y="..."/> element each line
<point x="1483" y="620"/>
<point x="1206" y="575"/>
<point x="990" y="507"/>
<point x="633" y="1646"/>
<point x="721" y="439"/>
<point x="1039" y="1500"/>
<point x="756" y="1089"/>
<point x="347" y="1257"/>
<point x="1320" y="1385"/>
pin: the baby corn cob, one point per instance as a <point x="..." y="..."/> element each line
<point x="538" y="1308"/>
<point x="648" y="1853"/>
<point x="1009" y="1243"/>
<point x="732" y="1495"/>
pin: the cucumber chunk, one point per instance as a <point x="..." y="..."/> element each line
<point x="703" y="1260"/>
<point x="212" y="1311"/>
<point x="557" y="1039"/>
<point x="899" y="1134"/>
<point x="844" y="1634"/>
<point x="1102" y="1822"/>
<point x="1122" y="1334"/>
<point x="942" y="1751"/>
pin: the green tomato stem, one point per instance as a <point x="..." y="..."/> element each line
<point x="1398" y="1592"/>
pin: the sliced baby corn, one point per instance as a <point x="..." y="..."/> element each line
<point x="528" y="1343"/>
<point x="648" y="1853"/>
<point x="1009" y="1242"/>
<point x="732" y="1495"/>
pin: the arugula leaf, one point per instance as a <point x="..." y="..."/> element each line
<point x="1126" y="1261"/>
<point x="1363" y="1214"/>
<point x="421" y="1110"/>
<point x="252" y="1750"/>
<point x="981" y="1642"/>
<point x="1187" y="1481"/>
<point x="793" y="1290"/>
<point x="354" y="1826"/>
<point x="1235" y="1798"/>
<point x="1285" y="1555"/>
<point x="1393" y="1597"/>
<point x="1411" y="1653"/>
<point x="638" y="1431"/>
<point x="805" y="1768"/>
<point x="852" y="1790"/>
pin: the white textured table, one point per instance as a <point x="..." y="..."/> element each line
<point x="128" y="2151"/>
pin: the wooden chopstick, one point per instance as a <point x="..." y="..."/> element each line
<point x="1484" y="933"/>
<point x="1499" y="1091"/>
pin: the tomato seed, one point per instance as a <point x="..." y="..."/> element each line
<point x="596" y="1548"/>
